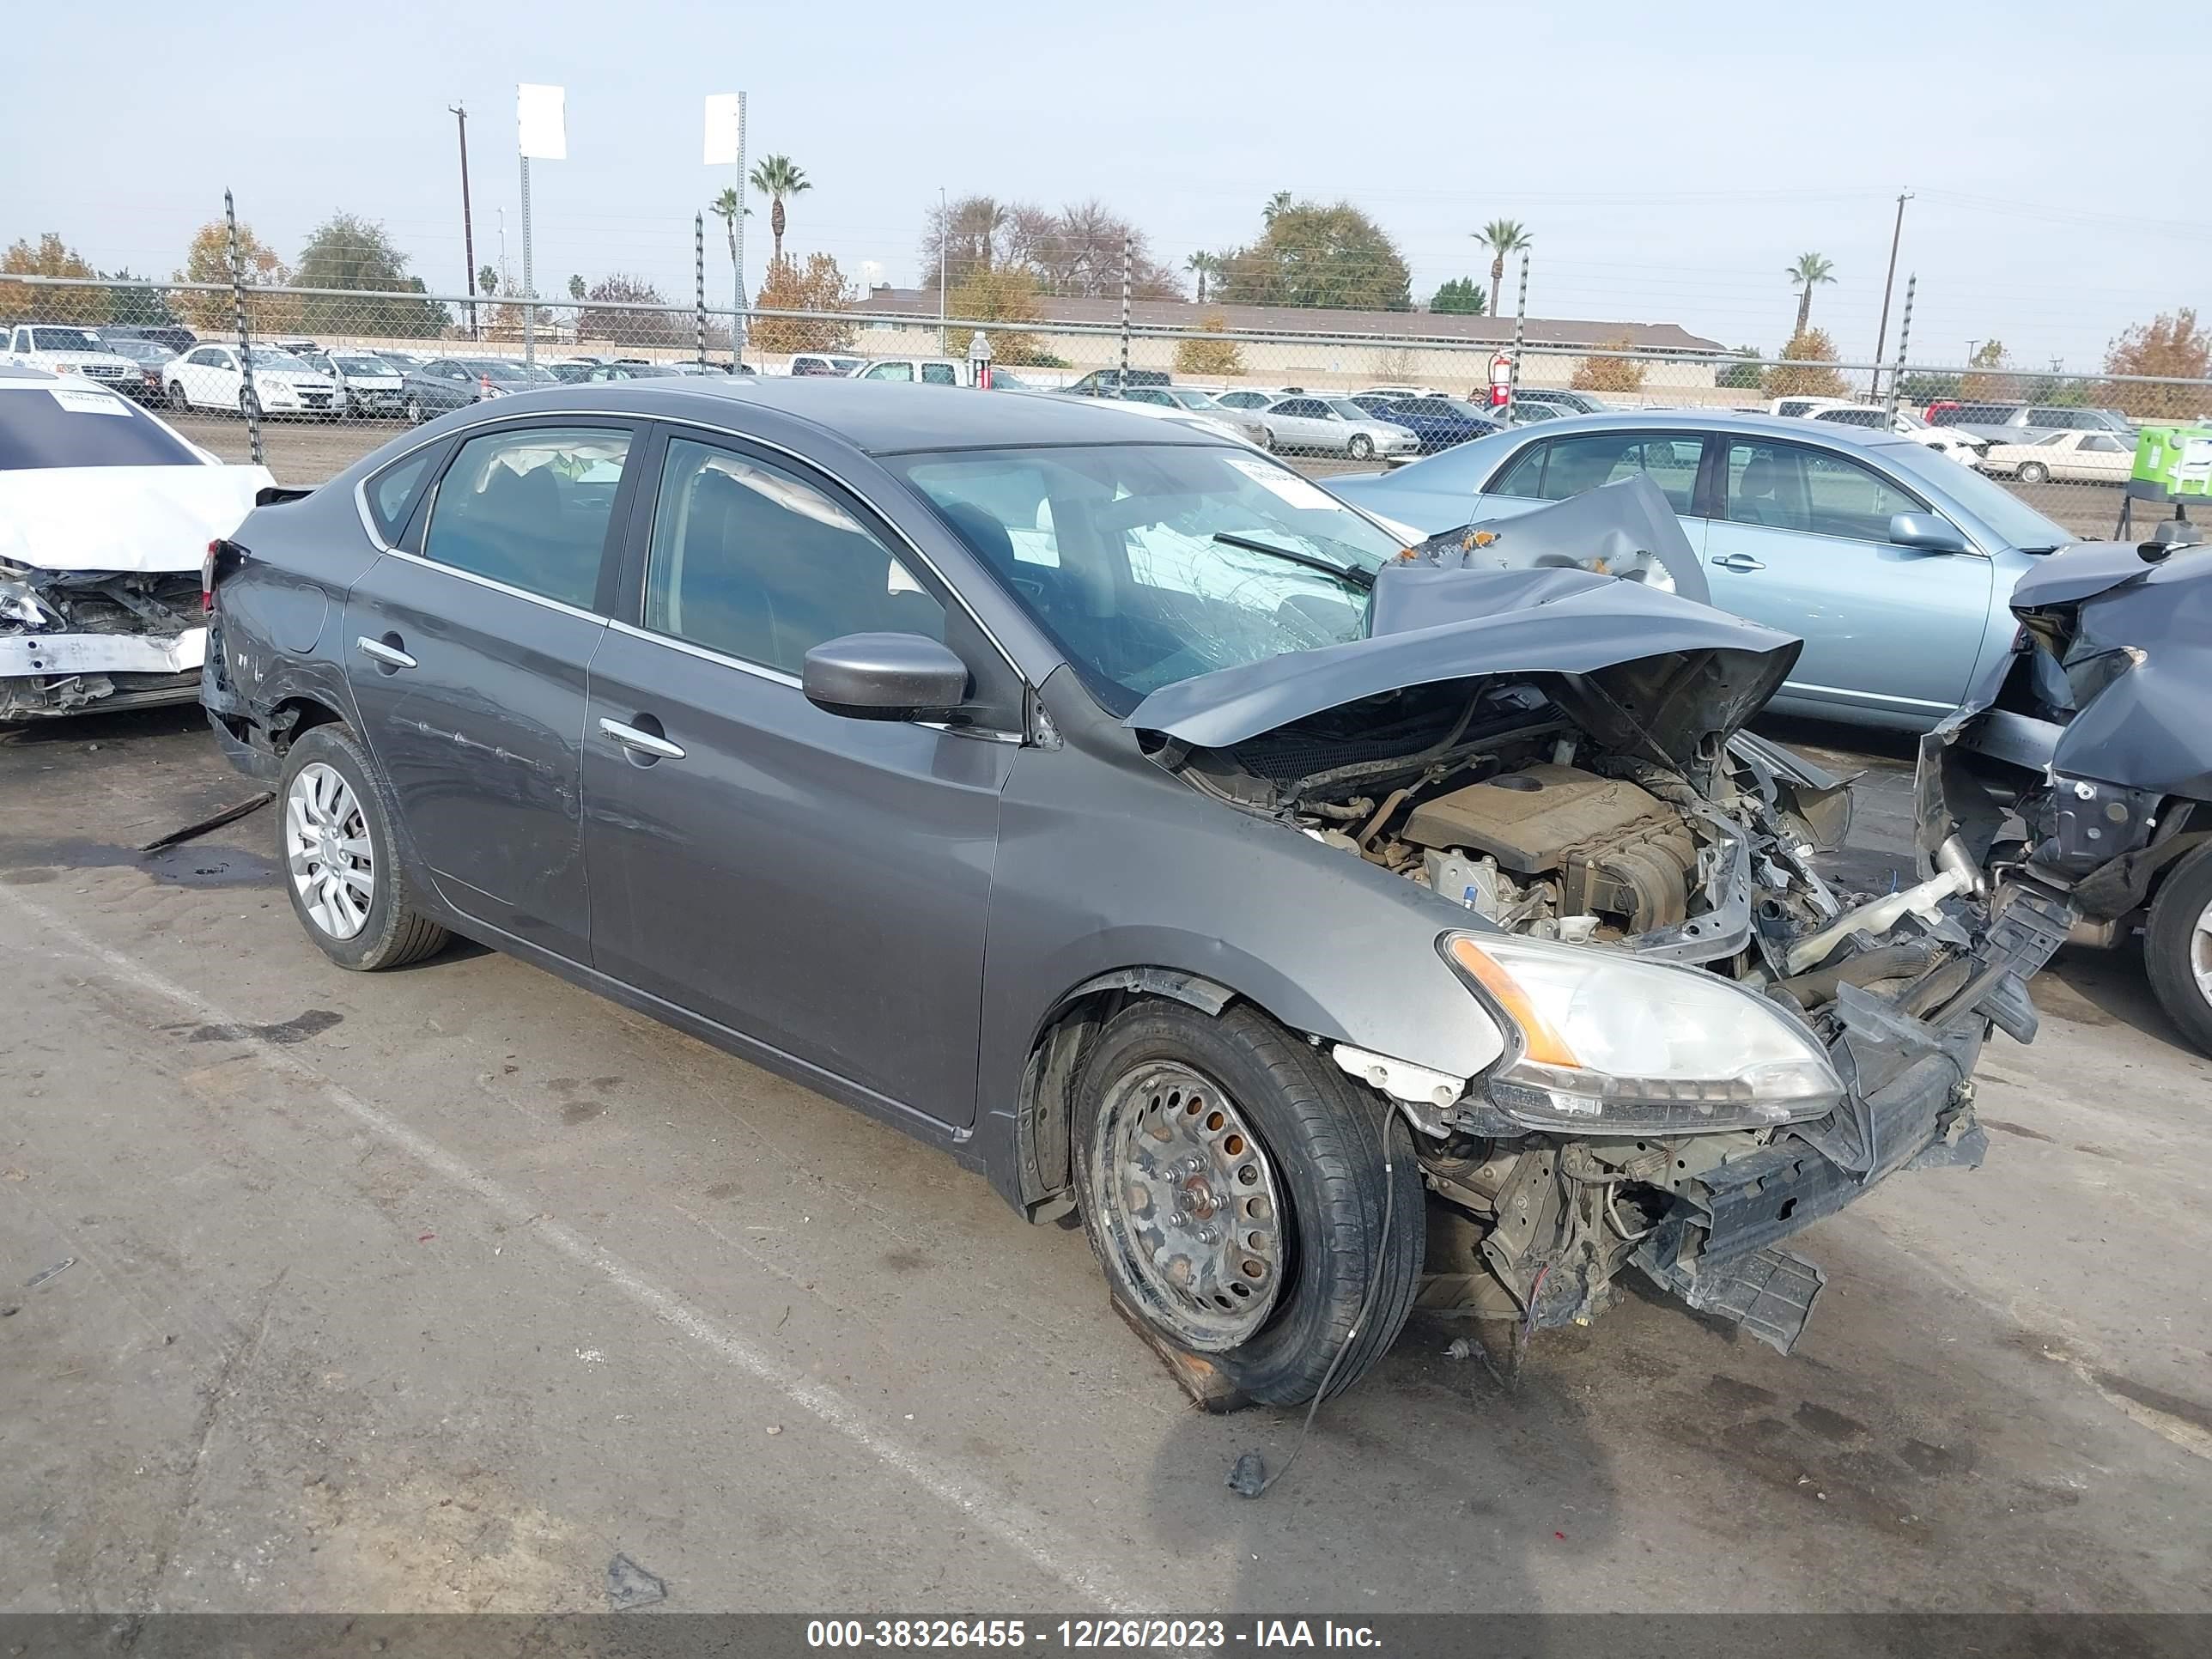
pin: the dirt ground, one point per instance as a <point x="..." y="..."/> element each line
<point x="438" y="1290"/>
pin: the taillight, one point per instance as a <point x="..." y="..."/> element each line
<point x="207" y="576"/>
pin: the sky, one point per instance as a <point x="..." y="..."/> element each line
<point x="1669" y="161"/>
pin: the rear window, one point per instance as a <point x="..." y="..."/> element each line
<point x="47" y="426"/>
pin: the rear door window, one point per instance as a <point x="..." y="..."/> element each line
<point x="939" y="375"/>
<point x="392" y="492"/>
<point x="1567" y="466"/>
<point x="1785" y="488"/>
<point x="531" y="507"/>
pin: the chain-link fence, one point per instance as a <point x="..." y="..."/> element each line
<point x="307" y="379"/>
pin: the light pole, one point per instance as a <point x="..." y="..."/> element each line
<point x="468" y="221"/>
<point x="1889" y="281"/>
<point x="943" y="233"/>
<point x="541" y="125"/>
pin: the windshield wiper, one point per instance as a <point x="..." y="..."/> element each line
<point x="1348" y="573"/>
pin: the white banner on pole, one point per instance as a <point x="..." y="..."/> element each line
<point x="722" y="129"/>
<point x="542" y="122"/>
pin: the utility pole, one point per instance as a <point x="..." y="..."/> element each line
<point x="1881" y="334"/>
<point x="944" y="234"/>
<point x="468" y="222"/>
<point x="1971" y="344"/>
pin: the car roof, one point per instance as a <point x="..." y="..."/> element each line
<point x="1716" y="420"/>
<point x="874" y="418"/>
<point x="12" y="376"/>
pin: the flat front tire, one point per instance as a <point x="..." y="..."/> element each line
<point x="1232" y="1183"/>
<point x="2178" y="947"/>
<point x="341" y="869"/>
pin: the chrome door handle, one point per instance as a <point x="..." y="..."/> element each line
<point x="643" y="742"/>
<point x="390" y="655"/>
<point x="1737" y="561"/>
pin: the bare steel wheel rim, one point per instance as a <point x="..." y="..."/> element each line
<point x="1188" y="1202"/>
<point x="327" y="847"/>
<point x="2200" y="953"/>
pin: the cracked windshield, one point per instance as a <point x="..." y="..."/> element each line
<point x="1152" y="564"/>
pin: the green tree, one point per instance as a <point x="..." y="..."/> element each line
<point x="820" y="286"/>
<point x="1277" y="205"/>
<point x="776" y="177"/>
<point x="50" y="256"/>
<point x="1808" y="272"/>
<point x="2173" y="344"/>
<point x="1202" y="265"/>
<point x="1804" y="371"/>
<point x="137" y="307"/>
<point x="577" y="291"/>
<point x="1923" y="388"/>
<point x="1460" y="297"/>
<point x="1742" y="374"/>
<point x="1334" y="257"/>
<point x="349" y="252"/>
<point x="729" y="208"/>
<point x="1501" y="237"/>
<point x="600" y="320"/>
<point x="488" y="281"/>
<point x="1214" y="356"/>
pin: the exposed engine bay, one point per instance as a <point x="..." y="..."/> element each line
<point x="75" y="638"/>
<point x="1596" y="791"/>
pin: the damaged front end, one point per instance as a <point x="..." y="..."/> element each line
<point x="2082" y="760"/>
<point x="73" y="640"/>
<point x="1707" y="1048"/>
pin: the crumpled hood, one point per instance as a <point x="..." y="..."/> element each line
<point x="2088" y="569"/>
<point x="1641" y="669"/>
<point x="122" y="518"/>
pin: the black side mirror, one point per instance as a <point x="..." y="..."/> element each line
<point x="1925" y="532"/>
<point x="884" y="676"/>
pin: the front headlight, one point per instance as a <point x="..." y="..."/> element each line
<point x="1609" y="1044"/>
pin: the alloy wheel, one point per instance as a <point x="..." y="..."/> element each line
<point x="1189" y="1198"/>
<point x="326" y="845"/>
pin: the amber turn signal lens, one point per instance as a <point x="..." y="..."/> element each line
<point x="1544" y="1045"/>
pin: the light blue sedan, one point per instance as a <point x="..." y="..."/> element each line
<point x="1894" y="563"/>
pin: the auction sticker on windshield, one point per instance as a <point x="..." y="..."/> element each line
<point x="1298" y="492"/>
<point x="80" y="400"/>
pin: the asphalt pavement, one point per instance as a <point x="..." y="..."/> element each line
<point x="439" y="1289"/>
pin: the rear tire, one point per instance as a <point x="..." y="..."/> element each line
<point x="2035" y="472"/>
<point x="178" y="401"/>
<point x="328" y="762"/>
<point x="2178" y="947"/>
<point x="1321" y="1154"/>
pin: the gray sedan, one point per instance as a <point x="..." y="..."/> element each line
<point x="1892" y="563"/>
<point x="1332" y="426"/>
<point x="1107" y="804"/>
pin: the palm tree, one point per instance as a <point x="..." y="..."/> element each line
<point x="1278" y="206"/>
<point x="1809" y="269"/>
<point x="776" y="177"/>
<point x="1203" y="265"/>
<point x="1501" y="237"/>
<point x="726" y="207"/>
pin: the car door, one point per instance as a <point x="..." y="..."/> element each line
<point x="1799" y="539"/>
<point x="1302" y="423"/>
<point x="210" y="379"/>
<point x="466" y="648"/>
<point x="816" y="884"/>
<point x="2099" y="457"/>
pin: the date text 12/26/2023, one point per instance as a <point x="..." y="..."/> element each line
<point x="1172" y="1634"/>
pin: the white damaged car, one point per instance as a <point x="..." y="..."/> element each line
<point x="106" y="514"/>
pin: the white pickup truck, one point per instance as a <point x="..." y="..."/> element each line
<point x="61" y="350"/>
